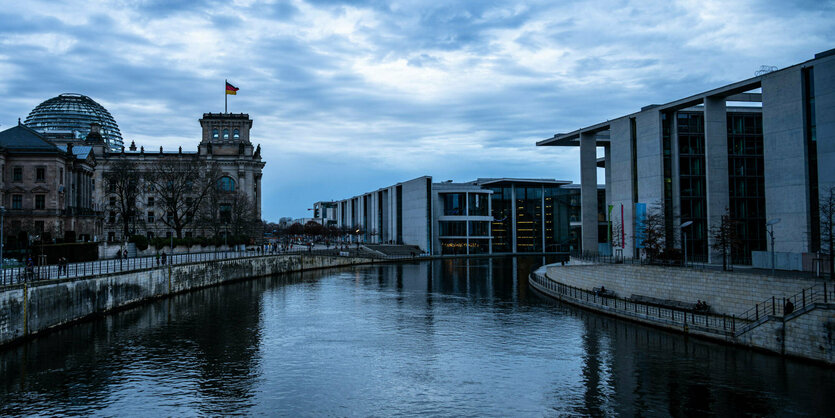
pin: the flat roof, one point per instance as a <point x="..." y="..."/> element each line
<point x="734" y="92"/>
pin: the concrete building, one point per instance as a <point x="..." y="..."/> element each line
<point x="488" y="215"/>
<point x="762" y="148"/>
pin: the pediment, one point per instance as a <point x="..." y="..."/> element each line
<point x="39" y="189"/>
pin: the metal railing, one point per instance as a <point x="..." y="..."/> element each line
<point x="779" y="307"/>
<point x="721" y="325"/>
<point x="41" y="274"/>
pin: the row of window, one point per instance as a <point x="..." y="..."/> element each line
<point x="459" y="228"/>
<point x="17" y="201"/>
<point x="236" y="134"/>
<point x="40" y="174"/>
<point x="224" y="209"/>
<point x="457" y="204"/>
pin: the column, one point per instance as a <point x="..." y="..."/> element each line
<point x="588" y="191"/>
<point x="607" y="170"/>
<point x="513" y="214"/>
<point x="716" y="168"/>
<point x="620" y="138"/>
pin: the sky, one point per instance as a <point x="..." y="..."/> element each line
<point x="349" y="97"/>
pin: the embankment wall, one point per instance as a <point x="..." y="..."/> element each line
<point x="27" y="311"/>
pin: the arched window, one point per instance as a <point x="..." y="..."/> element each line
<point x="226" y="184"/>
<point x="225" y="134"/>
<point x="214" y="133"/>
<point x="236" y="134"/>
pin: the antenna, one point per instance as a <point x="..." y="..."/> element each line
<point x="765" y="69"/>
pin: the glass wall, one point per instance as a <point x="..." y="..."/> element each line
<point x="529" y="219"/>
<point x="502" y="219"/>
<point x="691" y="148"/>
<point x="478" y="204"/>
<point x="479" y="228"/>
<point x="557" y="209"/>
<point x="453" y="229"/>
<point x="454" y="204"/>
<point x="746" y="183"/>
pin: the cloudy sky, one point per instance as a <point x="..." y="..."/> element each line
<point x="349" y="97"/>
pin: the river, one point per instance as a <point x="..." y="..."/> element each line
<point x="442" y="338"/>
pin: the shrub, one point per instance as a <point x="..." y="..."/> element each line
<point x="140" y="241"/>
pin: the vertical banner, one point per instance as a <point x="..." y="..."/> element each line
<point x="640" y="219"/>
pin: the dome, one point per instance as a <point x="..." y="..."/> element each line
<point x="69" y="116"/>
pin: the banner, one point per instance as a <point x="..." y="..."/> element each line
<point x="640" y="224"/>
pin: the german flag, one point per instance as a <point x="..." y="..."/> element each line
<point x="230" y="89"/>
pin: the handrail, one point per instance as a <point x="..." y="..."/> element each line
<point x="722" y="325"/>
<point x="13" y="277"/>
<point x="776" y="307"/>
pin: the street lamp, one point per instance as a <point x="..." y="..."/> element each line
<point x="684" y="233"/>
<point x="770" y="224"/>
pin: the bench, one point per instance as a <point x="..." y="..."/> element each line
<point x="669" y="303"/>
<point x="604" y="293"/>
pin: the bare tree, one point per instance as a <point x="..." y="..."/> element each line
<point x="725" y="238"/>
<point x="122" y="188"/>
<point x="653" y="233"/>
<point x="242" y="219"/>
<point x="182" y="183"/>
<point x="826" y="204"/>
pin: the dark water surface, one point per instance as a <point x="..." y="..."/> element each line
<point x="442" y="338"/>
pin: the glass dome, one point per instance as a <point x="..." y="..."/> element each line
<point x="69" y="116"/>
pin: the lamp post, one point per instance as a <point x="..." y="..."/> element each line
<point x="770" y="224"/>
<point x="684" y="234"/>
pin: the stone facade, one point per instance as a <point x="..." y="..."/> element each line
<point x="47" y="190"/>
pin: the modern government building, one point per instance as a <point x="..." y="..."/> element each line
<point x="760" y="150"/>
<point x="487" y="215"/>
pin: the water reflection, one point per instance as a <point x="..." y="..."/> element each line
<point x="449" y="338"/>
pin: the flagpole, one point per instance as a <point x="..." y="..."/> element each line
<point x="225" y="97"/>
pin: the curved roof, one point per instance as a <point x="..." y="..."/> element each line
<point x="69" y="115"/>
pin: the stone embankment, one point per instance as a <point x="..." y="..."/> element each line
<point x="26" y="311"/>
<point x="745" y="309"/>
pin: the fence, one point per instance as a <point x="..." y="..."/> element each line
<point x="722" y="325"/>
<point x="779" y="307"/>
<point x="74" y="271"/>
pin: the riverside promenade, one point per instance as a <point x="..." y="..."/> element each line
<point x="745" y="309"/>
<point x="29" y="307"/>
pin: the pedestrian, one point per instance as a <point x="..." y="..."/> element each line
<point x="163" y="258"/>
<point x="157" y="257"/>
<point x="125" y="253"/>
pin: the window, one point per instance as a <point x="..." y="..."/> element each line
<point x="236" y="134"/>
<point x="151" y="201"/>
<point x="112" y="201"/>
<point x="40" y="174"/>
<point x="169" y="217"/>
<point x="168" y="234"/>
<point x="453" y="229"/>
<point x="151" y="217"/>
<point x="478" y="204"/>
<point x="225" y="134"/>
<point x="214" y="133"/>
<point x="225" y="212"/>
<point x="454" y="204"/>
<point x="189" y="234"/>
<point x="479" y="228"/>
<point x="61" y="177"/>
<point x="17" y="174"/>
<point x="226" y="184"/>
<point x="111" y="236"/>
<point x="40" y="201"/>
<point x="17" y="201"/>
<point x="150" y="235"/>
<point x="111" y="217"/>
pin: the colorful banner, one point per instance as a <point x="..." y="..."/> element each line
<point x="640" y="224"/>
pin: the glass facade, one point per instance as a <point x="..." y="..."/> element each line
<point x="454" y="204"/>
<point x="528" y="219"/>
<point x="746" y="183"/>
<point x="478" y="204"/>
<point x="70" y="115"/>
<point x="502" y="203"/>
<point x="452" y="229"/>
<point x="692" y="182"/>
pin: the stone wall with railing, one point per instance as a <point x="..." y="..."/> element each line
<point x="730" y="293"/>
<point x="28" y="310"/>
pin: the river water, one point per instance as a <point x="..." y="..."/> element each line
<point x="442" y="338"/>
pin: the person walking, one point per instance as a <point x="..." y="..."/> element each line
<point x="163" y="258"/>
<point x="157" y="258"/>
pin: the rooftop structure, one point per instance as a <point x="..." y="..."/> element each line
<point x="69" y="116"/>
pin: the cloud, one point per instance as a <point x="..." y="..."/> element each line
<point x="347" y="97"/>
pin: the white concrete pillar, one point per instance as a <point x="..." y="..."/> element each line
<point x="588" y="191"/>
<point x="716" y="168"/>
